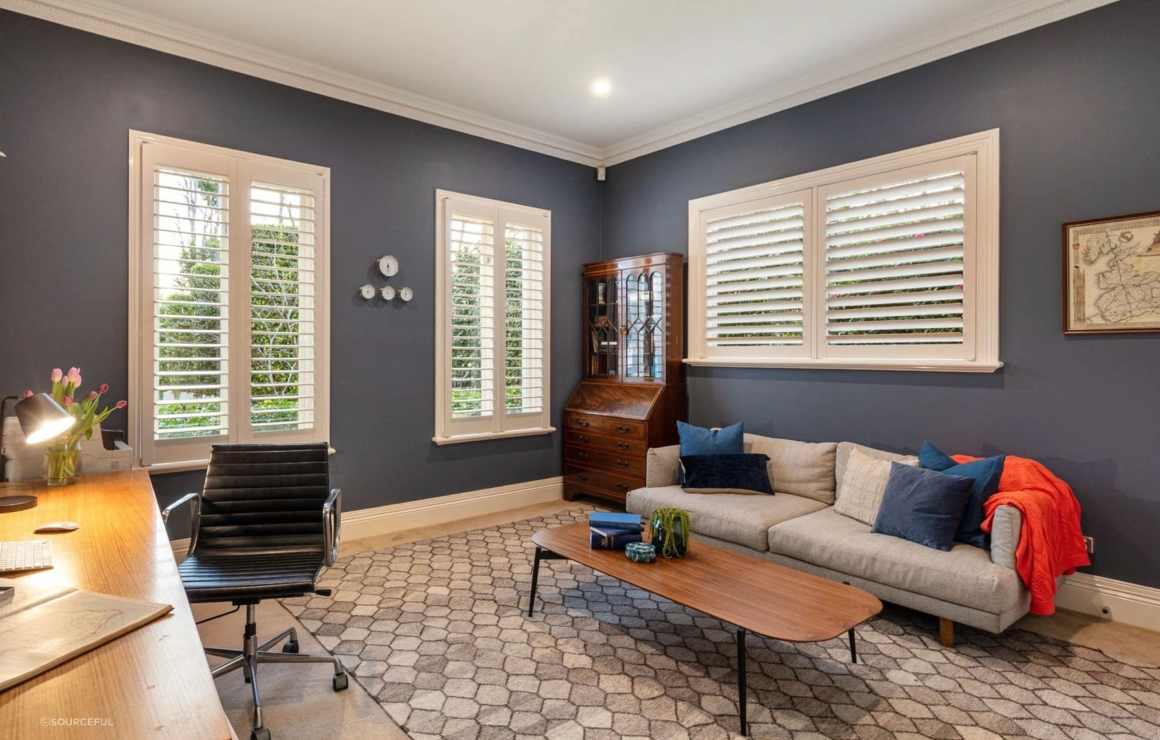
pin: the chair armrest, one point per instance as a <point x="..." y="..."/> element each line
<point x="332" y="525"/>
<point x="194" y="501"/>
<point x="663" y="464"/>
<point x="1006" y="528"/>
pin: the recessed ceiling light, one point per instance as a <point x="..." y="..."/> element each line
<point x="601" y="87"/>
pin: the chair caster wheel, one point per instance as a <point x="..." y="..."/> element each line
<point x="260" y="733"/>
<point x="290" y="647"/>
<point x="341" y="682"/>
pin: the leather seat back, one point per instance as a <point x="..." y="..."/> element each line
<point x="264" y="498"/>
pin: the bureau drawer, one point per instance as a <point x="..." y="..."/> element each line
<point x="614" y="483"/>
<point x="606" y="459"/>
<point x="606" y="425"/>
<point x="623" y="447"/>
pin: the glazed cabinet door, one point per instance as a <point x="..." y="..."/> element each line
<point x="644" y="324"/>
<point x="603" y="324"/>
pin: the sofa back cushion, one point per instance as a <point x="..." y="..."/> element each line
<point x="843" y="456"/>
<point x="863" y="484"/>
<point x="799" y="468"/>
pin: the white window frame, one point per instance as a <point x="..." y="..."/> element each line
<point x="193" y="454"/>
<point x="981" y="266"/>
<point x="499" y="424"/>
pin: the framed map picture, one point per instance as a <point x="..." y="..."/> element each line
<point x="1111" y="280"/>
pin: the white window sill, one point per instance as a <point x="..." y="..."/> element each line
<point x="932" y="366"/>
<point x="492" y="435"/>
<point x="186" y="465"/>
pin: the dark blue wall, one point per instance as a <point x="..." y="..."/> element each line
<point x="1078" y="103"/>
<point x="67" y="102"/>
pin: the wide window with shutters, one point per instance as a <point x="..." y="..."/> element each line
<point x="492" y="281"/>
<point x="228" y="341"/>
<point x="891" y="263"/>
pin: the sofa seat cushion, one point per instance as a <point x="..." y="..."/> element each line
<point x="738" y="518"/>
<point x="965" y="575"/>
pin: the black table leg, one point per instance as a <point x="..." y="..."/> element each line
<point x="741" y="701"/>
<point x="853" y="650"/>
<point x="535" y="579"/>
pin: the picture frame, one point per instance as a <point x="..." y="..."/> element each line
<point x="1111" y="275"/>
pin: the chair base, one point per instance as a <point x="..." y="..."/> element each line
<point x="252" y="654"/>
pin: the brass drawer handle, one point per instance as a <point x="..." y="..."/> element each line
<point x="584" y="438"/>
<point x="621" y="445"/>
<point x="622" y="486"/>
<point x="622" y="463"/>
<point x="582" y="423"/>
<point x="623" y="429"/>
<point x="582" y="455"/>
<point x="582" y="476"/>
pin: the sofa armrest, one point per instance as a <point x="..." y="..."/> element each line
<point x="663" y="464"/>
<point x="1006" y="528"/>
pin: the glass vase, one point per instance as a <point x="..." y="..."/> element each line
<point x="669" y="528"/>
<point x="64" y="463"/>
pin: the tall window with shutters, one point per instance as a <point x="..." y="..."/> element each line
<point x="890" y="263"/>
<point x="492" y="280"/>
<point x="228" y="302"/>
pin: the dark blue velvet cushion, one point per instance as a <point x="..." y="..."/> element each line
<point x="987" y="474"/>
<point x="727" y="473"/>
<point x="923" y="506"/>
<point x="701" y="441"/>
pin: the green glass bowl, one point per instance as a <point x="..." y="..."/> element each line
<point x="640" y="552"/>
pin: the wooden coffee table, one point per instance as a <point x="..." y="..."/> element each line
<point x="751" y="594"/>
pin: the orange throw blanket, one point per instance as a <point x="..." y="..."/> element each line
<point x="1051" y="543"/>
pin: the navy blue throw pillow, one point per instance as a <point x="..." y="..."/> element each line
<point x="701" y="441"/>
<point x="987" y="474"/>
<point x="727" y="473"/>
<point x="923" y="506"/>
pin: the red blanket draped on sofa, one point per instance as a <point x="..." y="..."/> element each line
<point x="1051" y="543"/>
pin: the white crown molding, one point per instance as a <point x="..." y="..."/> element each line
<point x="119" y="23"/>
<point x="115" y="22"/>
<point x="1012" y="19"/>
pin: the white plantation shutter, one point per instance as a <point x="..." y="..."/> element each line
<point x="524" y="320"/>
<point x="888" y="263"/>
<point x="896" y="260"/>
<point x="472" y="316"/>
<point x="282" y="308"/>
<point x="220" y="232"/>
<point x="492" y="322"/>
<point x="755" y="276"/>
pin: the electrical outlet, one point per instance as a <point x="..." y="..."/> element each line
<point x="1089" y="544"/>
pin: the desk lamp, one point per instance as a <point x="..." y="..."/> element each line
<point x="41" y="418"/>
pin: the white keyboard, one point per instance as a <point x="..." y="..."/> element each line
<point x="25" y="555"/>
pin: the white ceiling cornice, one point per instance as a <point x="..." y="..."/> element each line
<point x="119" y="23"/>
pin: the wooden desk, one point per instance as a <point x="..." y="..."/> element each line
<point x="153" y="682"/>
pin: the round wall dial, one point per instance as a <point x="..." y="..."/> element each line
<point x="367" y="291"/>
<point x="406" y="294"/>
<point x="388" y="293"/>
<point x="388" y="265"/>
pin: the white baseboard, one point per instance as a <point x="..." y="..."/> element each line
<point x="1118" y="601"/>
<point x="380" y="520"/>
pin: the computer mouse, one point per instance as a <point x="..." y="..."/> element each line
<point x="56" y="527"/>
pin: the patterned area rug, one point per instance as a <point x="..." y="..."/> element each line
<point x="437" y="631"/>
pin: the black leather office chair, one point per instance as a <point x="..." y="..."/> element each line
<point x="263" y="528"/>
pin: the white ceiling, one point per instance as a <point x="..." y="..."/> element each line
<point x="678" y="67"/>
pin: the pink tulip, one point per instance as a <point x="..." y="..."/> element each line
<point x="74" y="376"/>
<point x="122" y="404"/>
<point x="56" y="375"/>
<point x="67" y="401"/>
<point x="92" y="394"/>
<point x="103" y="388"/>
<point x="27" y="394"/>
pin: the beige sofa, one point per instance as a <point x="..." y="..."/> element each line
<point x="798" y="527"/>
